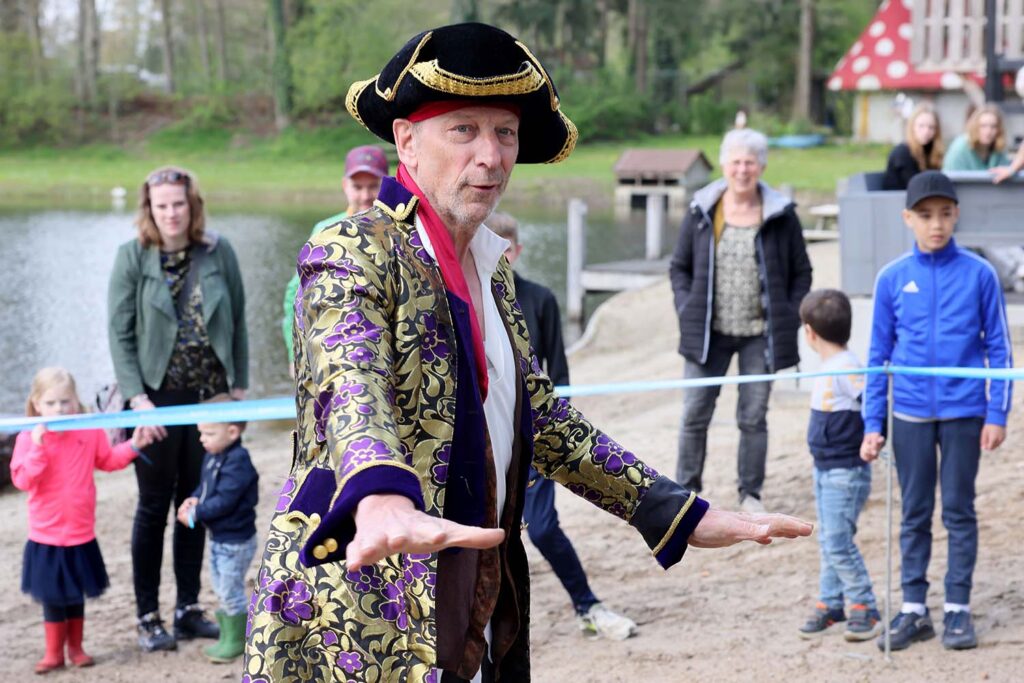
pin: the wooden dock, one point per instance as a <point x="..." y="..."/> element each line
<point x="617" y="276"/>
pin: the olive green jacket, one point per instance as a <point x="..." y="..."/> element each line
<point x="143" y="319"/>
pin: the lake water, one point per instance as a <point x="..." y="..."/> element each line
<point x="56" y="266"/>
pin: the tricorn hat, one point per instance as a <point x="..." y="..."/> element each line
<point x="473" y="62"/>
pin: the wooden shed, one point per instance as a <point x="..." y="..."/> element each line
<point x="672" y="173"/>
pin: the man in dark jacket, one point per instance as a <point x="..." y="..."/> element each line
<point x="540" y="309"/>
<point x="739" y="272"/>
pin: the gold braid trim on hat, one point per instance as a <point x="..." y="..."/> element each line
<point x="523" y="82"/>
<point x="570" y="141"/>
<point x="352" y="98"/>
<point x="389" y="93"/>
<point x="547" y="79"/>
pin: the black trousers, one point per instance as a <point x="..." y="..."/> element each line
<point x="170" y="476"/>
<point x="486" y="674"/>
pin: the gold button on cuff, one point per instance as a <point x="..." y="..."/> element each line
<point x="320" y="552"/>
<point x="314" y="519"/>
<point x="330" y="544"/>
<point x="400" y="209"/>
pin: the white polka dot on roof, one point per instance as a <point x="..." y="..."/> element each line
<point x="897" y="69"/>
<point x="869" y="82"/>
<point x="877" y="29"/>
<point x="951" y="81"/>
<point x="909" y="4"/>
<point x="906" y="31"/>
<point x="835" y="83"/>
<point x="885" y="6"/>
<point x="884" y="47"/>
<point x="856" y="48"/>
<point x="861" y="64"/>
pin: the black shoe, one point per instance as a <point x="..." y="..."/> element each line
<point x="906" y="629"/>
<point x="153" y="636"/>
<point x="959" y="632"/>
<point x="190" y="623"/>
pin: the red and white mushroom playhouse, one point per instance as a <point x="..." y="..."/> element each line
<point x="915" y="50"/>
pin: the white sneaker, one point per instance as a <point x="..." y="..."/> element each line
<point x="751" y="504"/>
<point x="601" y="622"/>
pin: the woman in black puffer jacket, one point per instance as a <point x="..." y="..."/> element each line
<point x="739" y="272"/>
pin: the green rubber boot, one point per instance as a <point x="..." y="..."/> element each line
<point x="231" y="644"/>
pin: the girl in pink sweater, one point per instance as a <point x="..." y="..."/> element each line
<point x="63" y="564"/>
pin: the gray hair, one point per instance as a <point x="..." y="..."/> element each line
<point x="503" y="225"/>
<point x="746" y="139"/>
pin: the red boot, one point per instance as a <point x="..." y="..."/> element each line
<point x="56" y="633"/>
<point x="75" y="652"/>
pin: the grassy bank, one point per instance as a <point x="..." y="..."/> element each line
<point x="305" y="166"/>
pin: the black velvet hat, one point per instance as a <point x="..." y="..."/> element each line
<point x="467" y="62"/>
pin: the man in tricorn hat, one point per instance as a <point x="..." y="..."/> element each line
<point x="395" y="551"/>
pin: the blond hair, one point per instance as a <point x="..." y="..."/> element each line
<point x="934" y="159"/>
<point x="47" y="379"/>
<point x="974" y="123"/>
<point x="149" y="235"/>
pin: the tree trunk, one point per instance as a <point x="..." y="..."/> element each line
<point x="220" y="36"/>
<point x="640" y="47"/>
<point x="282" y="70"/>
<point x="165" y="16"/>
<point x="802" y="91"/>
<point x="204" y="40"/>
<point x="88" y="44"/>
<point x="31" y="19"/>
<point x="10" y="16"/>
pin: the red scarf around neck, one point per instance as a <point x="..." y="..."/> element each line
<point x="451" y="269"/>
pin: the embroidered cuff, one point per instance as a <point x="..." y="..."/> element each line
<point x="328" y="541"/>
<point x="666" y="517"/>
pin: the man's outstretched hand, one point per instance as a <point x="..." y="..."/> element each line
<point x="721" y="528"/>
<point x="387" y="524"/>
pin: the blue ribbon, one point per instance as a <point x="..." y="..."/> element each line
<point x="283" y="408"/>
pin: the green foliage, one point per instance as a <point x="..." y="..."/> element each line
<point x="709" y="115"/>
<point x="605" y="107"/>
<point x="30" y="111"/>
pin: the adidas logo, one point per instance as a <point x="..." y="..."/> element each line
<point x="911" y="288"/>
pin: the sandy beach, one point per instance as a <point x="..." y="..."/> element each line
<point x="721" y="615"/>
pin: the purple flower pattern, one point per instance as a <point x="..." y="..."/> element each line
<point x="354" y="329"/>
<point x="362" y="451"/>
<point x="394" y="609"/>
<point x="364" y="580"/>
<point x="350" y="661"/>
<point x="613" y="457"/>
<point x="432" y="346"/>
<point x="440" y="468"/>
<point x="284" y="499"/>
<point x="290" y="598"/>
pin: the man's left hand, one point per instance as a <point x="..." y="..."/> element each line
<point x="722" y="528"/>
<point x="992" y="436"/>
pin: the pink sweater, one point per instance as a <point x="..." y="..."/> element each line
<point x="59" y="479"/>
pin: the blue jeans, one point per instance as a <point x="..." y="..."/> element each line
<point x="959" y="442"/>
<point x="840" y="494"/>
<point x="228" y="564"/>
<point x="751" y="412"/>
<point x="546" y="534"/>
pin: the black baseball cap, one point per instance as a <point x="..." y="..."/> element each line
<point x="930" y="184"/>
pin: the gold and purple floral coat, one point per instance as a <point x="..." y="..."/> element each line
<point x="375" y="342"/>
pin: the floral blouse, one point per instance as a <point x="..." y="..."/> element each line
<point x="193" y="365"/>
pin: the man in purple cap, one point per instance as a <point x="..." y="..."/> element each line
<point x="364" y="168"/>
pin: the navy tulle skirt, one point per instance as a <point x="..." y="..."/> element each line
<point x="58" y="575"/>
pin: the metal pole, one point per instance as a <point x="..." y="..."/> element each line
<point x="889" y="455"/>
<point x="993" y="80"/>
<point x="575" y="256"/>
<point x="655" y="220"/>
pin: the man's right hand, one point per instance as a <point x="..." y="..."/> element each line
<point x="387" y="524"/>
<point x="722" y="528"/>
<point x="158" y="432"/>
<point x="871" y="446"/>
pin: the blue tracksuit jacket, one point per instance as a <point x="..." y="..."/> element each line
<point x="943" y="308"/>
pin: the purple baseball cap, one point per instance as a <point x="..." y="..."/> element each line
<point x="366" y="159"/>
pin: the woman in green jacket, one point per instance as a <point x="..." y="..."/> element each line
<point x="177" y="336"/>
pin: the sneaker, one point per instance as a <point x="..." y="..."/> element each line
<point x="752" y="504"/>
<point x="189" y="623"/>
<point x="907" y="629"/>
<point x="959" y="631"/>
<point x="601" y="622"/>
<point x="864" y="624"/>
<point x="823" y="618"/>
<point x="153" y="636"/>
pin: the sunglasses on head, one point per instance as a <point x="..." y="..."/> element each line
<point x="161" y="177"/>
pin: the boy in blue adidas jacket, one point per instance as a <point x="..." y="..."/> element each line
<point x="938" y="305"/>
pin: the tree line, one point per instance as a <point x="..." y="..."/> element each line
<point x="78" y="70"/>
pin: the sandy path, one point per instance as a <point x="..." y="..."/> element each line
<point x="728" y="615"/>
